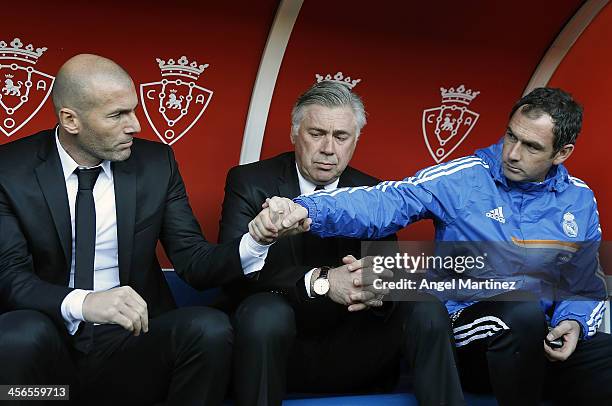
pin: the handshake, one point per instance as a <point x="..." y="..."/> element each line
<point x="351" y="285"/>
<point x="280" y="217"/>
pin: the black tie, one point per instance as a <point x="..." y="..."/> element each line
<point x="319" y="187"/>
<point x="85" y="229"/>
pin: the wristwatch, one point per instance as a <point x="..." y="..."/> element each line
<point x="321" y="284"/>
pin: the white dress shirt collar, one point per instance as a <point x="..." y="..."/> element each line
<point x="307" y="186"/>
<point x="69" y="165"/>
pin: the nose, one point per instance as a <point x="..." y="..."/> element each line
<point x="327" y="145"/>
<point x="134" y="125"/>
<point x="514" y="153"/>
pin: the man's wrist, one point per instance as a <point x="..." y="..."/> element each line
<point x="252" y="254"/>
<point x="254" y="247"/>
<point x="579" y="327"/>
<point x="72" y="309"/>
<point x="580" y="330"/>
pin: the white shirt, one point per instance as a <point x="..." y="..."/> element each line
<point x="106" y="257"/>
<point x="307" y="187"/>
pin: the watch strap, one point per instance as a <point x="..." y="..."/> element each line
<point x="324" y="271"/>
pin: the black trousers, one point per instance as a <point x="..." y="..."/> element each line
<point x="184" y="359"/>
<point x="272" y="354"/>
<point x="500" y="349"/>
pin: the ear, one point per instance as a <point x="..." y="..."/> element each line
<point x="563" y="154"/>
<point x="292" y="136"/>
<point x="69" y="120"/>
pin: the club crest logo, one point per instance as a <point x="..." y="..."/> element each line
<point x="23" y="89"/>
<point x="570" y="227"/>
<point x="445" y="127"/>
<point x="175" y="104"/>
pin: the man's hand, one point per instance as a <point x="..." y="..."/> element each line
<point x="122" y="306"/>
<point x="268" y="225"/>
<point x="352" y="284"/>
<point x="294" y="216"/>
<point x="570" y="331"/>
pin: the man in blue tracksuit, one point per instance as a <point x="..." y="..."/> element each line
<point x="517" y="192"/>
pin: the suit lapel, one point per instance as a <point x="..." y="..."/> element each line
<point x="289" y="187"/>
<point x="53" y="185"/>
<point x="346" y="180"/>
<point x="125" y="201"/>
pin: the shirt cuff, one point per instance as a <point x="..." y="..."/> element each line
<point x="307" y="279"/>
<point x="72" y="309"/>
<point x="252" y="254"/>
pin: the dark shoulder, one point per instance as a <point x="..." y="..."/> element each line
<point x="359" y="178"/>
<point x="148" y="155"/>
<point x="25" y="151"/>
<point x="148" y="148"/>
<point x="264" y="168"/>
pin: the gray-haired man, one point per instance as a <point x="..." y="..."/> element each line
<point x="298" y="326"/>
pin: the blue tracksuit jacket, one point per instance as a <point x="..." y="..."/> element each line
<point x="470" y="199"/>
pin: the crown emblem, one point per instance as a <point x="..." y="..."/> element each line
<point x="338" y="78"/>
<point x="16" y="50"/>
<point x="459" y="95"/>
<point x="182" y="67"/>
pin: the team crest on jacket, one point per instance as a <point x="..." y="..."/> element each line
<point x="445" y="127"/>
<point x="174" y="104"/>
<point x="24" y="89"/>
<point x="570" y="227"/>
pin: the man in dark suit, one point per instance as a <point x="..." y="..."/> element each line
<point x="81" y="291"/>
<point x="309" y="321"/>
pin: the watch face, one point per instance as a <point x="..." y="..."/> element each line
<point x="321" y="286"/>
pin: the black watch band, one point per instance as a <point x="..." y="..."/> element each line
<point x="324" y="270"/>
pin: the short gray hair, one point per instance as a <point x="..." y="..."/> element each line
<point x="328" y="94"/>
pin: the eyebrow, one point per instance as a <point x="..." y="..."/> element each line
<point x="116" y="111"/>
<point x="341" y="132"/>
<point x="532" y="144"/>
<point x="322" y="130"/>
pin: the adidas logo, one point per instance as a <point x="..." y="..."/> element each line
<point x="496" y="214"/>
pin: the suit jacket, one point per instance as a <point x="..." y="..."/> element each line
<point x="246" y="188"/>
<point x="152" y="205"/>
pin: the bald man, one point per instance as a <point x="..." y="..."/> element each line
<point x="82" y="297"/>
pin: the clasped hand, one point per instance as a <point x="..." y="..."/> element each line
<point x="352" y="284"/>
<point x="280" y="217"/>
